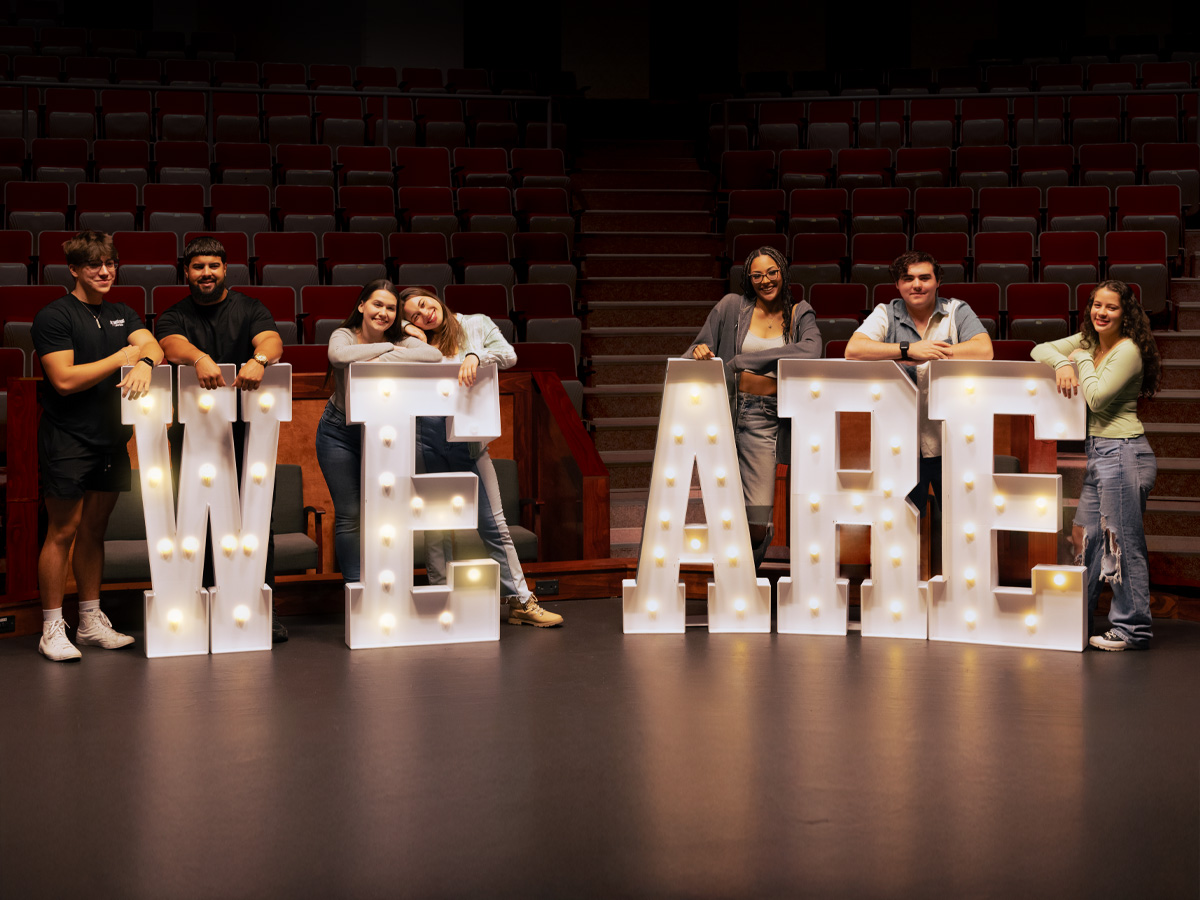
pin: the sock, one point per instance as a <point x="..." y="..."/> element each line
<point x="51" y="615"/>
<point x="89" y="606"/>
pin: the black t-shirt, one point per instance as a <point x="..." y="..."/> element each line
<point x="93" y="332"/>
<point x="225" y="330"/>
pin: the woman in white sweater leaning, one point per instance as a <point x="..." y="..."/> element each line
<point x="472" y="341"/>
<point x="372" y="331"/>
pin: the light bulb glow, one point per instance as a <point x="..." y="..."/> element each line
<point x="147" y="403"/>
<point x="446" y="618"/>
<point x="696" y="543"/>
<point x="815" y="442"/>
<point x="999" y="501"/>
<point x="739" y="605"/>
<point x="387" y="481"/>
<point x="895" y="445"/>
<point x="207" y="473"/>
<point x="720" y="473"/>
<point x="969" y="479"/>
<point x="895" y="554"/>
<point x="695" y="393"/>
<point x="387" y="621"/>
<point x="887" y="517"/>
<point x="154" y="477"/>
<point x="386" y="386"/>
<point x="969" y="576"/>
<point x="970" y="616"/>
<point x="652" y="606"/>
<point x="1041" y="504"/>
<point x="229" y="544"/>
<point x="896" y="607"/>
<point x="814" y="500"/>
<point x="266" y="401"/>
<point x="190" y="546"/>
<point x="1031" y="621"/>
<point x="258" y="472"/>
<point x="1031" y="386"/>
<point x="887" y="488"/>
<point x="677" y="433"/>
<point x="969" y="386"/>
<point x="1060" y="580"/>
<point x="814" y="604"/>
<point x="669" y="474"/>
<point x="165" y="548"/>
<point x="175" y="619"/>
<point x="664" y="518"/>
<point x="711" y="431"/>
<point x="1060" y="429"/>
<point x="732" y="553"/>
<point x="814" y="388"/>
<point x="969" y="433"/>
<point x="969" y="530"/>
<point x="659" y="555"/>
<point x="726" y="518"/>
<point x="241" y="614"/>
<point x="473" y="574"/>
<point x="856" y="500"/>
<point x="387" y="534"/>
<point x="814" y="551"/>
<point x="249" y="544"/>
<point x="417" y="504"/>
<point x="876" y="391"/>
<point x="387" y="434"/>
<point x="387" y="578"/>
<point x="445" y="386"/>
<point x="205" y="402"/>
<point x="457" y="503"/>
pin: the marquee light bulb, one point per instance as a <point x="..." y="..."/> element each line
<point x="720" y="473"/>
<point x="696" y="543"/>
<point x="457" y="503"/>
<point x="999" y="501"/>
<point x="249" y="544"/>
<point x="969" y="433"/>
<point x="387" y="434"/>
<point x="876" y="391"/>
<point x="677" y="433"/>
<point x="387" y="621"/>
<point x="814" y="551"/>
<point x="165" y="548"/>
<point x="970" y="616"/>
<point x="387" y="578"/>
<point x="660" y="554"/>
<point x="711" y="431"/>
<point x="669" y="474"/>
<point x="732" y="553"/>
<point x="417" y="504"/>
<point x="887" y="488"/>
<point x="207" y="473"/>
<point x="386" y="386"/>
<point x="814" y="500"/>
<point x="228" y="544"/>
<point x="473" y="574"/>
<point x="969" y="575"/>
<point x="895" y="554"/>
<point x="814" y="388"/>
<point x="1060" y="429"/>
<point x="896" y="608"/>
<point x="154" y="477"/>
<point x="895" y="445"/>
<point x="205" y="402"/>
<point x="1041" y="504"/>
<point x="1060" y="580"/>
<point x="815" y="442"/>
<point x="1031" y="386"/>
<point x="258" y="472"/>
<point x="446" y="618"/>
<point x="665" y="518"/>
<point x="1031" y="621"/>
<point x="969" y="530"/>
<point x="726" y="518"/>
<point x="387" y="534"/>
<point x="652" y="606"/>
<point x="266" y="401"/>
<point x="969" y="479"/>
<point x="969" y="386"/>
<point x="887" y="517"/>
<point x="241" y="614"/>
<point x="445" y="386"/>
<point x="190" y="546"/>
<point x="175" y="619"/>
<point x="147" y="403"/>
<point x="856" y="500"/>
<point x="387" y="481"/>
<point x="739" y="605"/>
<point x="695" y="393"/>
<point x="814" y="604"/>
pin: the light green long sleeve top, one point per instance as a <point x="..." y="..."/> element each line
<point x="1110" y="389"/>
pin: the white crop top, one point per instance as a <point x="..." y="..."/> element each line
<point x="753" y="343"/>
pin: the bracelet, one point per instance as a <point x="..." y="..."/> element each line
<point x="125" y="355"/>
<point x="196" y="361"/>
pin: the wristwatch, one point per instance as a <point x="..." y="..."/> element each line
<point x="261" y="359"/>
<point x="904" y="349"/>
<point x="148" y="361"/>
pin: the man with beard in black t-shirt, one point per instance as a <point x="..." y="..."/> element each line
<point x="83" y="342"/>
<point x="212" y="326"/>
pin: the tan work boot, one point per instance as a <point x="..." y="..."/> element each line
<point x="531" y="614"/>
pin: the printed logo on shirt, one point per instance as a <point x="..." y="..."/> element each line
<point x="115" y="322"/>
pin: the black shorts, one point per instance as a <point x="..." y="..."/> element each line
<point x="70" y="468"/>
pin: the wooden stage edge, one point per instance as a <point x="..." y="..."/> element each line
<point x="587" y="579"/>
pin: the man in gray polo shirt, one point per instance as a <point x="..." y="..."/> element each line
<point x="916" y="327"/>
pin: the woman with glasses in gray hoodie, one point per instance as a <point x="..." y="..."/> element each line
<point x="750" y="333"/>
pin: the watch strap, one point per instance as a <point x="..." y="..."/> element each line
<point x="904" y="349"/>
<point x="147" y="360"/>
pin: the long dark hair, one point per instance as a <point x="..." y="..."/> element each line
<point x="355" y="319"/>
<point x="1135" y="325"/>
<point x="785" y="291"/>
<point x="448" y="336"/>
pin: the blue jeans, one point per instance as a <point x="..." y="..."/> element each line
<point x="755" y="432"/>
<point x="1120" y="474"/>
<point x="441" y="455"/>
<point x="339" y="451"/>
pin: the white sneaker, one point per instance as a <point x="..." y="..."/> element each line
<point x="95" y="630"/>
<point x="55" y="644"/>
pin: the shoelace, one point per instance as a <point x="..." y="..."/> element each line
<point x="101" y="620"/>
<point x="58" y="627"/>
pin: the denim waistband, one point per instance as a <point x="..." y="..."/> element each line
<point x="770" y="401"/>
<point x="1129" y="440"/>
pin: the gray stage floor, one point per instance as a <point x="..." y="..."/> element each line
<point x="578" y="762"/>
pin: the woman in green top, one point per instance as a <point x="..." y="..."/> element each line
<point x="1115" y="361"/>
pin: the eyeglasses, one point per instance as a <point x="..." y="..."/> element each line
<point x="108" y="263"/>
<point x="757" y="277"/>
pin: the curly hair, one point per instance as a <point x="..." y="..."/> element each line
<point x="785" y="291"/>
<point x="1135" y="325"/>
<point x="899" y="267"/>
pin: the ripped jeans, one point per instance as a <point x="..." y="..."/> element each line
<point x="1120" y="474"/>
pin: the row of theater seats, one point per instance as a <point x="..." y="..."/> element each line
<point x="946" y="122"/>
<point x="1005" y="258"/>
<point x="336" y="120"/>
<point x="1094" y="69"/>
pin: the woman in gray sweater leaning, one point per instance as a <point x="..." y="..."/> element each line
<point x="751" y="332"/>
<point x="372" y="331"/>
